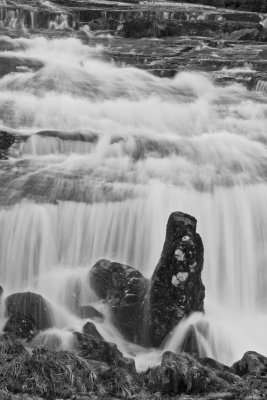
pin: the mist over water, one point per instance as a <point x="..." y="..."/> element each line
<point x="105" y="154"/>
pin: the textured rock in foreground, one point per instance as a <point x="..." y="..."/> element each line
<point x="46" y="374"/>
<point x="125" y="289"/>
<point x="181" y="373"/>
<point x="176" y="288"/>
<point x="252" y="363"/>
<point x="59" y="375"/>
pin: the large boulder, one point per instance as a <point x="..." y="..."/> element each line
<point x="252" y="363"/>
<point x="176" y="287"/>
<point x="28" y="312"/>
<point x="181" y="373"/>
<point x="125" y="289"/>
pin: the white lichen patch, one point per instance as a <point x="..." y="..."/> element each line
<point x="185" y="238"/>
<point x="192" y="267"/>
<point x="179" y="254"/>
<point x="181" y="277"/>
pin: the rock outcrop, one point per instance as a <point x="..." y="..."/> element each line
<point x="6" y="141"/>
<point x="124" y="288"/>
<point x="28" y="313"/>
<point x="181" y="373"/>
<point x="252" y="363"/>
<point x="97" y="349"/>
<point x="176" y="286"/>
<point x="90" y="329"/>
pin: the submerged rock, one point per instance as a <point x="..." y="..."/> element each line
<point x="176" y="287"/>
<point x="124" y="288"/>
<point x="90" y="312"/>
<point x="90" y="329"/>
<point x="27" y="312"/>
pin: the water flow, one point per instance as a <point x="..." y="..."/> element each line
<point x="108" y="153"/>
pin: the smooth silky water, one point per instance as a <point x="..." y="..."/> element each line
<point x="121" y="151"/>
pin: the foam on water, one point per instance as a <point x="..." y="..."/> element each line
<point x="107" y="154"/>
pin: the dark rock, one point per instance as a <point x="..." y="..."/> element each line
<point x="181" y="373"/>
<point x="100" y="350"/>
<point x="125" y="289"/>
<point x="251" y="363"/>
<point x="221" y="370"/>
<point x="30" y="306"/>
<point x="245" y="34"/>
<point x="20" y="326"/>
<point x="6" y="141"/>
<point x="190" y="343"/>
<point x="245" y="5"/>
<point x="10" y="348"/>
<point x="90" y="329"/>
<point x="90" y="312"/>
<point x="1" y="291"/>
<point x="176" y="286"/>
<point x="62" y="375"/>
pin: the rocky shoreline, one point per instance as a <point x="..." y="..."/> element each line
<point x="95" y="369"/>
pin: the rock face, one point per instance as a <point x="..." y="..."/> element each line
<point x="20" y="326"/>
<point x="124" y="288"/>
<point x="252" y="363"/>
<point x="181" y="373"/>
<point x="46" y="374"/>
<point x="176" y="286"/>
<point x="6" y="141"/>
<point x="90" y="329"/>
<point x="27" y="312"/>
<point x="93" y="348"/>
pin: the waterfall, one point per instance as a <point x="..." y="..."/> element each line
<point x="261" y="86"/>
<point x="107" y="154"/>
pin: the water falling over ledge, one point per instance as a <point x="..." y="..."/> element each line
<point x="107" y="186"/>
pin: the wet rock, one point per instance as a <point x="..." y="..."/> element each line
<point x="245" y="34"/>
<point x="90" y="312"/>
<point x="222" y="371"/>
<point x="251" y="363"/>
<point x="124" y="288"/>
<point x="30" y="307"/>
<point x="100" y="350"/>
<point x="90" y="329"/>
<point x="6" y="141"/>
<point x="20" y="326"/>
<point x="176" y="286"/>
<point x="181" y="373"/>
<point x="190" y="343"/>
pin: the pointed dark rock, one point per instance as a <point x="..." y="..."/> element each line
<point x="176" y="287"/>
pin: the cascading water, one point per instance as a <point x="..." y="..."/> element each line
<point x="105" y="155"/>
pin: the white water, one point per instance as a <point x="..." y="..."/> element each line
<point x="141" y="147"/>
